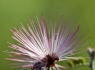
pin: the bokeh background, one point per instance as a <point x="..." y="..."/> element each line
<point x="14" y="11"/>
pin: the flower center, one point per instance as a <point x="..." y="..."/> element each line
<point x="50" y="60"/>
<point x="47" y="61"/>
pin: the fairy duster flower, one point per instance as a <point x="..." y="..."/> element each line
<point x="39" y="47"/>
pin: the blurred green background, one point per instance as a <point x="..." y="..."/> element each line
<point x="14" y="11"/>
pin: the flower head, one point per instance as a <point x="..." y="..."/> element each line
<point x="40" y="47"/>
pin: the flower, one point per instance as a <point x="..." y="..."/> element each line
<point x="40" y="47"/>
<point x="91" y="53"/>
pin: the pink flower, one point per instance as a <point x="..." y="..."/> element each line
<point x="40" y="48"/>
